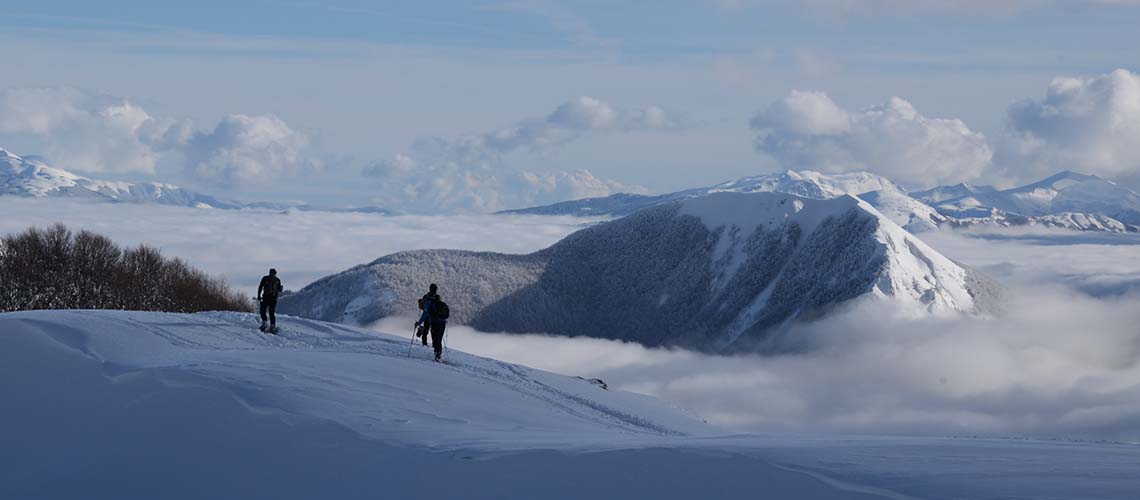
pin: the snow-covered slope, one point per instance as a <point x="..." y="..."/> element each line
<point x="888" y="197"/>
<point x="913" y="215"/>
<point x="719" y="271"/>
<point x="22" y="177"/>
<point x="374" y="384"/>
<point x="129" y="405"/>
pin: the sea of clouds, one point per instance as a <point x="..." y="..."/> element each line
<point x="1061" y="361"/>
<point x="302" y="246"/>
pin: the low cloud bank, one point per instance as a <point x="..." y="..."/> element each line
<point x="304" y="246"/>
<point x="1059" y="362"/>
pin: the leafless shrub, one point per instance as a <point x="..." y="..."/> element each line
<point x="55" y="268"/>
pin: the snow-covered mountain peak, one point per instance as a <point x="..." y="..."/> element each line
<point x="1059" y="181"/>
<point x="939" y="194"/>
<point x="752" y="211"/>
<point x="810" y="184"/>
<point x="19" y="176"/>
<point x="31" y="177"/>
<point x="886" y="196"/>
<point x="719" y="271"/>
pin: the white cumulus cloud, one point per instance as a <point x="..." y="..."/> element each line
<point x="91" y="132"/>
<point x="246" y="149"/>
<point x="800" y="112"/>
<point x="808" y="130"/>
<point x="83" y="130"/>
<point x="1089" y="124"/>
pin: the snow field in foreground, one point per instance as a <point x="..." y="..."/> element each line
<point x="151" y="405"/>
<point x="148" y="405"/>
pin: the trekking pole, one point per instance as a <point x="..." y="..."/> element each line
<point x="446" y="359"/>
<point x="414" y="328"/>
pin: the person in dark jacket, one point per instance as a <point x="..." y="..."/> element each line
<point x="430" y="322"/>
<point x="267" y="293"/>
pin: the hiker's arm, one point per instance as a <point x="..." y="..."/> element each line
<point x="424" y="314"/>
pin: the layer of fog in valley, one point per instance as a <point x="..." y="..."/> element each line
<point x="1060" y="361"/>
<point x="304" y="246"/>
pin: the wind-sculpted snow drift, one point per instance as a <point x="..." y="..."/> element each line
<point x="716" y="272"/>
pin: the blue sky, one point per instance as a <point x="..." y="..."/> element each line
<point x="360" y="84"/>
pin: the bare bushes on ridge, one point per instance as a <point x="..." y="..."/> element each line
<point x="56" y="268"/>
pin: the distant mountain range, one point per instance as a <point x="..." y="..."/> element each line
<point x="1061" y="199"/>
<point x="1066" y="200"/>
<point x="29" y="177"/>
<point x="720" y="271"/>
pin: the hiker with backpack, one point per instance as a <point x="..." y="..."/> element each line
<point x="433" y="319"/>
<point x="267" y="293"/>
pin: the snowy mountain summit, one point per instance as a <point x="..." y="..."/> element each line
<point x="33" y="178"/>
<point x="808" y="184"/>
<point x="722" y="271"/>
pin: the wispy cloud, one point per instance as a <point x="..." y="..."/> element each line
<point x="565" y="20"/>
<point x="471" y="172"/>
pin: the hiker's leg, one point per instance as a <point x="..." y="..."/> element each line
<point x="437" y="337"/>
